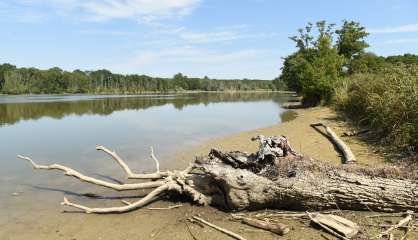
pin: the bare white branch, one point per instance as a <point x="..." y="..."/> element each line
<point x="128" y="171"/>
<point x="71" y="172"/>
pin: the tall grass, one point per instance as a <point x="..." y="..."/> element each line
<point x="386" y="102"/>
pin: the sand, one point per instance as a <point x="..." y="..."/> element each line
<point x="302" y="137"/>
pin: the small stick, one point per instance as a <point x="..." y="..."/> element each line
<point x="409" y="228"/>
<point x="165" y="208"/>
<point x="402" y="222"/>
<point x="227" y="232"/>
<point x="390" y="215"/>
<point x="157" y="163"/>
<point x="277" y="228"/>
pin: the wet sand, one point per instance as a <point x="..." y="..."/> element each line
<point x="42" y="221"/>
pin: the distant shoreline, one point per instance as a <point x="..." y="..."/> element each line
<point x="149" y="93"/>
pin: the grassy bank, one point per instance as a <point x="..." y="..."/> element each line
<point x="386" y="102"/>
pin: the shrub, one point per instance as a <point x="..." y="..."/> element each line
<point x="386" y="101"/>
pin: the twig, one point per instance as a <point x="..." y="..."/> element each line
<point x="165" y="208"/>
<point x="276" y="227"/>
<point x="409" y="228"/>
<point x="190" y="231"/>
<point x="227" y="232"/>
<point x="157" y="163"/>
<point x="390" y="215"/>
<point x="402" y="222"/>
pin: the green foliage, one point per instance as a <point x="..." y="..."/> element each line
<point x="406" y="58"/>
<point x="351" y="39"/>
<point x="31" y="80"/>
<point x="366" y="63"/>
<point x="313" y="69"/>
<point x="386" y="101"/>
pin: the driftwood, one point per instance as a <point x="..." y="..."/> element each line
<point x="336" y="225"/>
<point x="355" y="133"/>
<point x="275" y="227"/>
<point x="273" y="177"/>
<point x="401" y="223"/>
<point x="223" y="230"/>
<point x="348" y="154"/>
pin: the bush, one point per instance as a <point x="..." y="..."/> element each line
<point x="386" y="101"/>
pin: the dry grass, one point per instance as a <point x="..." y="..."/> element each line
<point x="386" y="102"/>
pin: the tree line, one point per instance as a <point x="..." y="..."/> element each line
<point x="15" y="80"/>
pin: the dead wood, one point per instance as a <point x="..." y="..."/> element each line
<point x="336" y="225"/>
<point x="273" y="177"/>
<point x="275" y="227"/>
<point x="402" y="222"/>
<point x="355" y="133"/>
<point x="344" y="148"/>
<point x="223" y="230"/>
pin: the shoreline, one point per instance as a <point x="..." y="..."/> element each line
<point x="149" y="93"/>
<point x="313" y="144"/>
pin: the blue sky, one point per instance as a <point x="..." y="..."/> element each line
<point x="217" y="38"/>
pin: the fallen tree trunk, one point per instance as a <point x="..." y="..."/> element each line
<point x="274" y="177"/>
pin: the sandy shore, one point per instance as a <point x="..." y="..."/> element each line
<point x="49" y="223"/>
<point x="302" y="137"/>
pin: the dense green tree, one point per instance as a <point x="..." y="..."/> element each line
<point x="315" y="66"/>
<point x="350" y="40"/>
<point x="366" y="63"/>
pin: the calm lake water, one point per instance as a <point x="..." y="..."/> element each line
<point x="66" y="129"/>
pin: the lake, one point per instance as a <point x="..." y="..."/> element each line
<point x="66" y="129"/>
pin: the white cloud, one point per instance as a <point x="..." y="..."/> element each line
<point x="193" y="61"/>
<point x="399" y="29"/>
<point x="103" y="10"/>
<point x="214" y="35"/>
<point x="402" y="40"/>
<point x="191" y="55"/>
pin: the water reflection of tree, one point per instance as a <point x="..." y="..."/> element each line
<point x="11" y="113"/>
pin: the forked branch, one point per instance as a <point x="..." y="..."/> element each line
<point x="71" y="172"/>
<point x="169" y="181"/>
<point x="128" y="171"/>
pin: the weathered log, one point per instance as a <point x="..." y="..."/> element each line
<point x="348" y="154"/>
<point x="273" y="177"/>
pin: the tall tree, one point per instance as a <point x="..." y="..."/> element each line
<point x="350" y="40"/>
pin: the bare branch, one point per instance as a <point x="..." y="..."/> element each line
<point x="223" y="230"/>
<point x="128" y="171"/>
<point x="128" y="207"/>
<point x="157" y="164"/>
<point x="165" y="208"/>
<point x="71" y="172"/>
